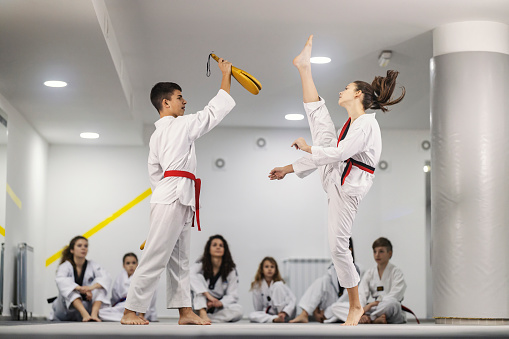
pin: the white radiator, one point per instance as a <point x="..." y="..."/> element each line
<point x="24" y="283"/>
<point x="299" y="273"/>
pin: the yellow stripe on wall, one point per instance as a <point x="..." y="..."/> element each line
<point x="2" y="231"/>
<point x="13" y="196"/>
<point x="104" y="223"/>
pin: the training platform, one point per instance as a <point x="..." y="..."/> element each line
<point x="168" y="328"/>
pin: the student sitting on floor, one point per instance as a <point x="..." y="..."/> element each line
<point x="82" y="285"/>
<point x="273" y="301"/>
<point x="119" y="293"/>
<point x="214" y="283"/>
<point x="324" y="293"/>
<point x="385" y="283"/>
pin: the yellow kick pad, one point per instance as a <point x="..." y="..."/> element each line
<point x="247" y="81"/>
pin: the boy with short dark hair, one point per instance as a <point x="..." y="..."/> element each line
<point x="385" y="283"/>
<point x="175" y="193"/>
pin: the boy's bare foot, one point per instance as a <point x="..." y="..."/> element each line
<point x="130" y="318"/>
<point x="86" y="318"/>
<point x="301" y="318"/>
<point x="95" y="318"/>
<point x="354" y="315"/>
<point x="188" y="317"/>
<point x="302" y="60"/>
<point x="380" y="320"/>
<point x="365" y="320"/>
<point x="280" y="319"/>
<point x="142" y="317"/>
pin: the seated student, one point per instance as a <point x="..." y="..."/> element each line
<point x="385" y="283"/>
<point x="273" y="301"/>
<point x="322" y="294"/>
<point x="82" y="285"/>
<point x="119" y="293"/>
<point x="214" y="283"/>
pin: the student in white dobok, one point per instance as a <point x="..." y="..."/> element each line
<point x="214" y="283"/>
<point x="385" y="284"/>
<point x="273" y="301"/>
<point x="172" y="167"/>
<point x="325" y="298"/>
<point x="82" y="285"/>
<point x="346" y="163"/>
<point x="119" y="293"/>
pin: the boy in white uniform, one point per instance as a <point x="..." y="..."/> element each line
<point x="175" y="194"/>
<point x="385" y="283"/>
<point x="346" y="164"/>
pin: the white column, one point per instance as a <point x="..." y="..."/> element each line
<point x="470" y="172"/>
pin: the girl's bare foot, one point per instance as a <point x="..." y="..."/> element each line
<point x="302" y="60"/>
<point x="130" y="318"/>
<point x="354" y="315"/>
<point x="86" y="318"/>
<point x="380" y="320"/>
<point x="142" y="317"/>
<point x="95" y="318"/>
<point x="301" y="318"/>
<point x="188" y="317"/>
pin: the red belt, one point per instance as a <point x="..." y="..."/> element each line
<point x="350" y="162"/>
<point x="197" y="187"/>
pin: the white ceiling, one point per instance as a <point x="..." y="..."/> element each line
<point x="169" y="40"/>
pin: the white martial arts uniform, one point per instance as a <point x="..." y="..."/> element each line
<point x="269" y="301"/>
<point x="226" y="291"/>
<point x="324" y="293"/>
<point x="363" y="143"/>
<point x="389" y="291"/>
<point x="172" y="205"/>
<point x="118" y="297"/>
<point x="62" y="308"/>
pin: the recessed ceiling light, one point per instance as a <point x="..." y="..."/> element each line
<point x="89" y="135"/>
<point x="55" y="83"/>
<point x="294" y="117"/>
<point x="319" y="60"/>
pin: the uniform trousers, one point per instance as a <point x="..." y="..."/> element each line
<point x="392" y="310"/>
<point x="168" y="246"/>
<point x="225" y="314"/>
<point x="342" y="207"/>
<point x="61" y="312"/>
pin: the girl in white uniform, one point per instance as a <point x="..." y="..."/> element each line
<point x="386" y="285"/>
<point x="273" y="301"/>
<point x="214" y="283"/>
<point x="82" y="285"/>
<point x="346" y="164"/>
<point x="119" y="293"/>
<point x="175" y="198"/>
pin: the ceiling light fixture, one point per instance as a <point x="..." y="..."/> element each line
<point x="55" y="83"/>
<point x="320" y="60"/>
<point x="89" y="135"/>
<point x="384" y="57"/>
<point x="294" y="117"/>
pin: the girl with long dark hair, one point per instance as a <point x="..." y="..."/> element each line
<point x="214" y="283"/>
<point x="346" y="162"/>
<point x="273" y="301"/>
<point x="82" y="285"/>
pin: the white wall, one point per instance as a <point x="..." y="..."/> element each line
<point x="26" y="175"/>
<point x="258" y="217"/>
